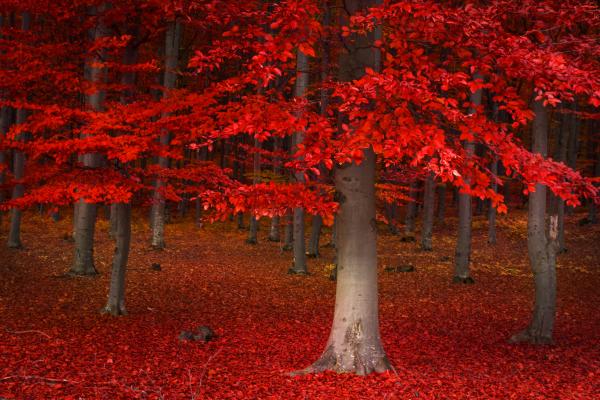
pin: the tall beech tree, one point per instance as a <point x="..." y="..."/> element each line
<point x="172" y="43"/>
<point x="542" y="244"/>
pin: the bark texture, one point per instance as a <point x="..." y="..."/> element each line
<point x="465" y="214"/>
<point x="542" y="246"/>
<point x="116" y="295"/>
<point x="428" y="213"/>
<point x="299" y="258"/>
<point x="354" y="343"/>
<point x="85" y="213"/>
<point x="172" y="43"/>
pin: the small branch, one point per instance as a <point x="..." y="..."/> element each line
<point x="29" y="331"/>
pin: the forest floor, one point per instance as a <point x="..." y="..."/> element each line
<point x="444" y="340"/>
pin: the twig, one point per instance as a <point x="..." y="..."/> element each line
<point x="41" y="378"/>
<point x="29" y="331"/>
<point x="205" y="366"/>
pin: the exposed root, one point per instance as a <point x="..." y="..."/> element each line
<point x="115" y="311"/>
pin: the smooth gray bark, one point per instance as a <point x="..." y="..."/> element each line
<point x="116" y="295"/>
<point x="428" y="213"/>
<point x="465" y="214"/>
<point x="299" y="250"/>
<point x="85" y="213"/>
<point x="172" y="43"/>
<point x="542" y="246"/>
<point x="354" y="343"/>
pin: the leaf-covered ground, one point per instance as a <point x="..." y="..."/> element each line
<point x="444" y="340"/>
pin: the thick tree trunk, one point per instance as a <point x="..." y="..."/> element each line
<point x="465" y="214"/>
<point x="428" y="213"/>
<point x="542" y="246"/>
<point x="172" y="43"/>
<point x="116" y="294"/>
<point x="354" y="343"/>
<point x="14" y="234"/>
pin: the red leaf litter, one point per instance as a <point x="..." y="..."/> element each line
<point x="444" y="340"/>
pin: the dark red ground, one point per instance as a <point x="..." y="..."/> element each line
<point x="445" y="341"/>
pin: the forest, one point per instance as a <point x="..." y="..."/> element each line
<point x="299" y="199"/>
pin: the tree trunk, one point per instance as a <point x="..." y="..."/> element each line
<point x="130" y="57"/>
<point x="428" y="213"/>
<point x="315" y="235"/>
<point x="85" y="213"/>
<point x="274" y="230"/>
<point x="492" y="210"/>
<point x="441" y="208"/>
<point x="85" y="224"/>
<point x="288" y="233"/>
<point x="14" y="234"/>
<point x="542" y="246"/>
<point x="465" y="214"/>
<point x="253" y="231"/>
<point x="354" y="343"/>
<point x="299" y="259"/>
<point x="391" y="213"/>
<point x="411" y="212"/>
<point x="116" y="295"/>
<point x="172" y="43"/>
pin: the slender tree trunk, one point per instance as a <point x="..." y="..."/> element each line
<point x="116" y="294"/>
<point x="130" y="57"/>
<point x="492" y="210"/>
<point x="274" y="234"/>
<point x="288" y="232"/>
<point x="411" y="212"/>
<point x="391" y="211"/>
<point x="315" y="235"/>
<point x="299" y="260"/>
<point x="172" y="43"/>
<point x="441" y="208"/>
<point x="14" y="234"/>
<point x="462" y="260"/>
<point x="354" y="343"/>
<point x="542" y="245"/>
<point x="428" y="213"/>
<point x="85" y="213"/>
<point x="253" y="231"/>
